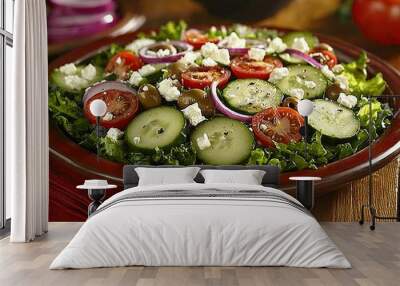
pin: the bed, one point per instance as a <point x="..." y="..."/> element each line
<point x="201" y="224"/>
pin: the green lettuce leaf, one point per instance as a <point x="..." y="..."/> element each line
<point x="359" y="84"/>
<point x="112" y="149"/>
<point x="137" y="158"/>
<point x="183" y="154"/>
<point x="60" y="104"/>
<point x="248" y="32"/>
<point x="380" y="115"/>
<point x="257" y="157"/>
<point x="101" y="59"/>
<point x="68" y="114"/>
<point x="170" y="31"/>
<point x="344" y="150"/>
<point x="292" y="156"/>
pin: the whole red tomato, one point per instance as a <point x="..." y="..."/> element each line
<point x="379" y="20"/>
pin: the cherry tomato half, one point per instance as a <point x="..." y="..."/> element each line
<point x="122" y="107"/>
<point x="123" y="62"/>
<point x="197" y="38"/>
<point x="281" y="125"/>
<point x="244" y="67"/>
<point x="201" y="77"/>
<point x="324" y="56"/>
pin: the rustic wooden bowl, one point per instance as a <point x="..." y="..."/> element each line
<point x="386" y="148"/>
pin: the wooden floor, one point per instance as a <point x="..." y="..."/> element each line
<point x="375" y="257"/>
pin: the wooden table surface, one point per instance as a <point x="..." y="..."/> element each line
<point x="318" y="16"/>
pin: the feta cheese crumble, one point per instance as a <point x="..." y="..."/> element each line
<point x="278" y="74"/>
<point x="327" y="72"/>
<point x="222" y="57"/>
<point x="75" y="82"/>
<point x="88" y="72"/>
<point x="276" y="46"/>
<point x="146" y="70"/>
<point x="348" y="101"/>
<point x="233" y="41"/>
<point x="297" y="93"/>
<point x="310" y="84"/>
<point x="256" y="54"/>
<point x="135" y="79"/>
<point x="209" y="62"/>
<point x="203" y="142"/>
<point x="193" y="114"/>
<point x="342" y="81"/>
<point x="68" y="69"/>
<point x="136" y="140"/>
<point x="210" y="50"/>
<point x="118" y="61"/>
<point x="163" y="52"/>
<point x="189" y="58"/>
<point x="168" y="89"/>
<point x="338" y="68"/>
<point x="136" y="45"/>
<point x="114" y="134"/>
<point x="263" y="127"/>
<point x="300" y="44"/>
<point x="307" y="83"/>
<point x="108" y="116"/>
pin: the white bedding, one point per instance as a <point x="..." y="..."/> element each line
<point x="183" y="231"/>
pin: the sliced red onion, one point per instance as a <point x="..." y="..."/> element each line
<point x="103" y="86"/>
<point x="80" y="19"/>
<point x="221" y="107"/>
<point x="243" y="51"/>
<point x="237" y="51"/>
<point x="181" y="47"/>
<point x="84" y="6"/>
<point x="300" y="55"/>
<point x="61" y="34"/>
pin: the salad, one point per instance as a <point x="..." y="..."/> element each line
<point x="226" y="95"/>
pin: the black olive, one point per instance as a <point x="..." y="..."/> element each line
<point x="149" y="96"/>
<point x="290" y="102"/>
<point x="198" y="96"/>
<point x="333" y="91"/>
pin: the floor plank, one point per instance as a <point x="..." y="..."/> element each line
<point x="375" y="257"/>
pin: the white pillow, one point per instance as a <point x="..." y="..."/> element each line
<point x="166" y="176"/>
<point x="248" y="177"/>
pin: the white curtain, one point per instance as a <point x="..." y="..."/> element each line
<point x="27" y="124"/>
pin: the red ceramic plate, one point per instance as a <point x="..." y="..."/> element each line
<point x="64" y="150"/>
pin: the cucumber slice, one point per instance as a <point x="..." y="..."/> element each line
<point x="311" y="40"/>
<point x="299" y="76"/>
<point x="59" y="79"/>
<point x="251" y="96"/>
<point x="291" y="60"/>
<point x="161" y="127"/>
<point x="231" y="141"/>
<point x="333" y="120"/>
<point x="288" y="39"/>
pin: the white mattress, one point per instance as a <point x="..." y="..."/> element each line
<point x="189" y="231"/>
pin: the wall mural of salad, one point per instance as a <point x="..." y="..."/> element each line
<point x="182" y="96"/>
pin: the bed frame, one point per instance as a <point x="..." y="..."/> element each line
<point x="271" y="178"/>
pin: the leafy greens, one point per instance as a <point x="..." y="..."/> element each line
<point x="359" y="84"/>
